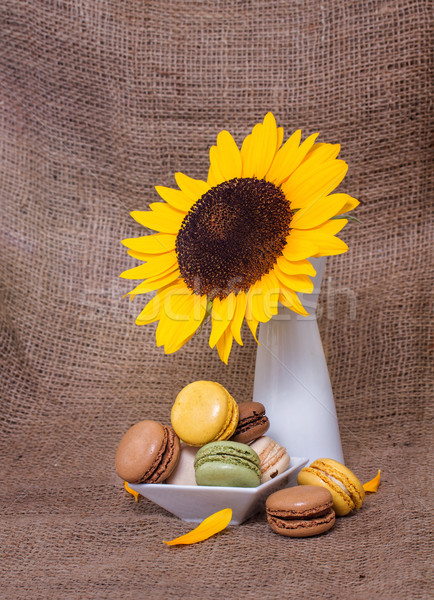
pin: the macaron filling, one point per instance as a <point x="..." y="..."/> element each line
<point x="337" y="489"/>
<point x="247" y="423"/>
<point x="342" y="480"/>
<point x="299" y="521"/>
<point x="229" y="455"/>
<point x="159" y="468"/>
<point x="271" y="455"/>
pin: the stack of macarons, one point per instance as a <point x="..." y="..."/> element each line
<point x="213" y="441"/>
<point x="326" y="489"/>
<point x="207" y="417"/>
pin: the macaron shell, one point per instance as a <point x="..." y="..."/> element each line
<point x="138" y="450"/>
<point x="202" y="412"/>
<point x="227" y="463"/>
<point x="342" y="502"/>
<point x="299" y="501"/>
<point x="345" y="476"/>
<point x="218" y="473"/>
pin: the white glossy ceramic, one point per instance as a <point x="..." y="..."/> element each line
<point x="195" y="503"/>
<point x="292" y="381"/>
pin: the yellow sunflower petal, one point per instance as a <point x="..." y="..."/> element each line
<point x="213" y="179"/>
<point x="298" y="249"/>
<point x="224" y="345"/>
<point x="318" y="211"/>
<point x="372" y="485"/>
<point x="263" y="297"/>
<point x="161" y="217"/>
<point x="172" y="311"/>
<point x="298" y="283"/>
<point x="323" y="237"/>
<point x="177" y="346"/>
<point x="151" y="244"/>
<point x="330" y="228"/>
<point x="221" y="317"/>
<point x="283" y="162"/>
<point x="131" y="491"/>
<point x="227" y="156"/>
<point x="176" y="198"/>
<point x="148" y="257"/>
<point x="150" y="285"/>
<point x="271" y="295"/>
<point x="322" y="152"/>
<point x="247" y="155"/>
<point x="299" y="267"/>
<point x="238" y="318"/>
<point x="218" y="176"/>
<point x="189" y="313"/>
<point x="264" y="142"/>
<point x="159" y="264"/>
<point x="290" y="299"/>
<point x="279" y="138"/>
<point x="253" y="326"/>
<point x="210" y="526"/>
<point x="256" y="297"/>
<point x="307" y="184"/>
<point x="151" y="312"/>
<point x="291" y="157"/>
<point x="158" y="276"/>
<point x="350" y="203"/>
<point x="193" y="188"/>
<point x="154" y="307"/>
<point x="330" y="245"/>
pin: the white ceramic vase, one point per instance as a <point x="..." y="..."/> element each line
<point x="292" y="381"/>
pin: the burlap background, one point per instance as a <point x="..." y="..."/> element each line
<point x="100" y="101"/>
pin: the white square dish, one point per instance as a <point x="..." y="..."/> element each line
<point x="195" y="503"/>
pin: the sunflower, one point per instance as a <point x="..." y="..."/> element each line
<point x="236" y="245"/>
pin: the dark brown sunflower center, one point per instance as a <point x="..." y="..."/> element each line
<point x="232" y="236"/>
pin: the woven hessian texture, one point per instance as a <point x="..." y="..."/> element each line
<point x="100" y="101"/>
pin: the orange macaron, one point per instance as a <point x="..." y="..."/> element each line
<point x="347" y="491"/>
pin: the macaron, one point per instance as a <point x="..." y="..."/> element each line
<point x="147" y="453"/>
<point x="204" y="412"/>
<point x="252" y="422"/>
<point x="300" y="511"/>
<point x="347" y="491"/>
<point x="274" y="459"/>
<point x="183" y="473"/>
<point x="227" y="463"/>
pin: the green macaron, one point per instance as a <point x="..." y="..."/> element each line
<point x="227" y="463"/>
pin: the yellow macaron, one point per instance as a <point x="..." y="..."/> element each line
<point x="204" y="412"/>
<point x="345" y="488"/>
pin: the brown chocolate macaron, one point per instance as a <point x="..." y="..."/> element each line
<point x="252" y="422"/>
<point x="148" y="453"/>
<point x="300" y="511"/>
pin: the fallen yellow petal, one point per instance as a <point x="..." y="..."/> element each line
<point x="210" y="526"/>
<point x="372" y="486"/>
<point x="132" y="492"/>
